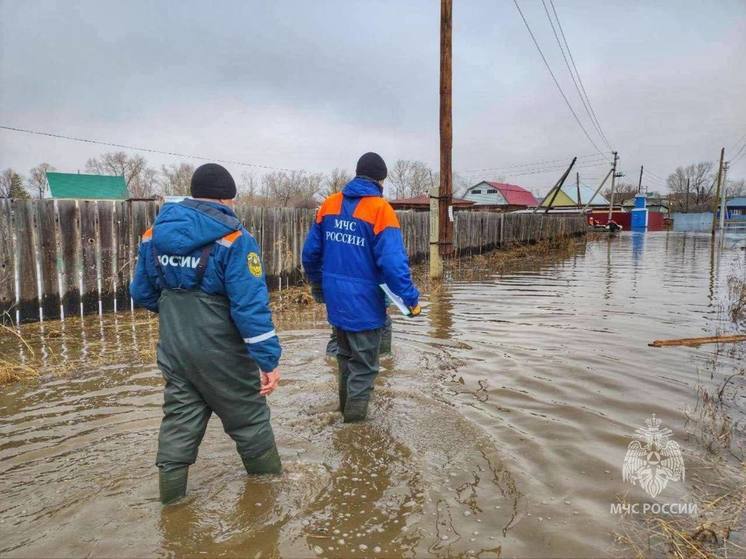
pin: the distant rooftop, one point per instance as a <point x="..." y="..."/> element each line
<point x="87" y="187"/>
<point x="568" y="196"/>
<point x="514" y="195"/>
<point x="424" y="200"/>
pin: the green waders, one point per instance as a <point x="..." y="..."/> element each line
<point x="357" y="357"/>
<point x="386" y="334"/>
<point x="207" y="369"/>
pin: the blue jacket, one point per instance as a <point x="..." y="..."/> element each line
<point x="354" y="246"/>
<point x="234" y="269"/>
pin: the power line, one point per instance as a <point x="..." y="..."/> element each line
<point x="572" y="75"/>
<point x="554" y="78"/>
<point x="146" y="150"/>
<point x="548" y="169"/>
<point x="739" y="155"/>
<point x="741" y="151"/>
<point x="534" y="163"/>
<point x="580" y="81"/>
<point x="738" y="142"/>
<point x="539" y="171"/>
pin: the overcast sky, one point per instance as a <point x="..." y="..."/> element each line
<point x="313" y="84"/>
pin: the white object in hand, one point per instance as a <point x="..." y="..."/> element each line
<point x="398" y="301"/>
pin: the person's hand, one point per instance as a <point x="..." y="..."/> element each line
<point x="317" y="293"/>
<point x="269" y="381"/>
<point x="415" y="311"/>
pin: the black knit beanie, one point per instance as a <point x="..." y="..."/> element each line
<point x="213" y="181"/>
<point x="371" y="165"/>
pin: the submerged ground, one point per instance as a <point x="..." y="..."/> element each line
<point x="499" y="425"/>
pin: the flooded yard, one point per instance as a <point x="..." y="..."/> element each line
<point x="499" y="425"/>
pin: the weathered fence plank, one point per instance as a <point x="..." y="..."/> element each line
<point x="7" y="263"/>
<point x="89" y="261"/>
<point x="124" y="256"/>
<point x="26" y="233"/>
<point x="69" y="217"/>
<point x="107" y="254"/>
<point x="48" y="259"/>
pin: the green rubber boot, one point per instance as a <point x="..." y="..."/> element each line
<point x="386" y="336"/>
<point x="172" y="484"/>
<point x="266" y="463"/>
<point x="342" y="386"/>
<point x="355" y="410"/>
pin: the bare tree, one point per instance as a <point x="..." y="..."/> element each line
<point x="335" y="181"/>
<point x="141" y="180"/>
<point x="250" y="192"/>
<point x="736" y="188"/>
<point x="459" y="183"/>
<point x="622" y="192"/>
<point x="37" y="181"/>
<point x="6" y="182"/>
<point x="700" y="180"/>
<point x="11" y="185"/>
<point x="177" y="179"/>
<point x="291" y="189"/>
<point x="409" y="178"/>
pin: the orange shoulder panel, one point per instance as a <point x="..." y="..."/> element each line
<point x="148" y="234"/>
<point x="376" y="211"/>
<point x="331" y="206"/>
<point x="231" y="237"/>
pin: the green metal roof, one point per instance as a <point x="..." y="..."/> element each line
<point x="87" y="187"/>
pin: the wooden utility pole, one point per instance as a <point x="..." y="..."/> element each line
<point x="717" y="191"/>
<point x="723" y="198"/>
<point x="600" y="186"/>
<point x="686" y="205"/>
<point x="445" y="214"/>
<point x="639" y="184"/>
<point x="613" y="181"/>
<point x="552" y="194"/>
<point x="436" y="264"/>
<point x="577" y="186"/>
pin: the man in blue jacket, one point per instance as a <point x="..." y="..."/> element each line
<point x="218" y="351"/>
<point x="353" y="248"/>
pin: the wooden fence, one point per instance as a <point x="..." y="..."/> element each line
<point x="66" y="257"/>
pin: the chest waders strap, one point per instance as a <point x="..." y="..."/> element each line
<point x="202" y="266"/>
<point x="204" y="257"/>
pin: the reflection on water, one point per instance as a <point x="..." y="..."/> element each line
<point x="499" y="425"/>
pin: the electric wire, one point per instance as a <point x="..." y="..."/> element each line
<point x="146" y="150"/>
<point x="554" y="78"/>
<point x="539" y="169"/>
<point x="570" y="71"/>
<point x="535" y="163"/>
<point x="580" y="81"/>
<point x="735" y="145"/>
<point x="741" y="151"/>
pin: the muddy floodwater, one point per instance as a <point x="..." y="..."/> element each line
<point x="499" y="425"/>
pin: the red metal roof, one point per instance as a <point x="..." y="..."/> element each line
<point x="424" y="200"/>
<point x="514" y="194"/>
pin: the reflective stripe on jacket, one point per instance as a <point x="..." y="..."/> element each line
<point x="234" y="269"/>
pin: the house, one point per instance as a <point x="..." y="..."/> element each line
<point x="736" y="208"/>
<point x="567" y="197"/>
<point x="500" y="196"/>
<point x="421" y="203"/>
<point x="656" y="204"/>
<point x="87" y="187"/>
